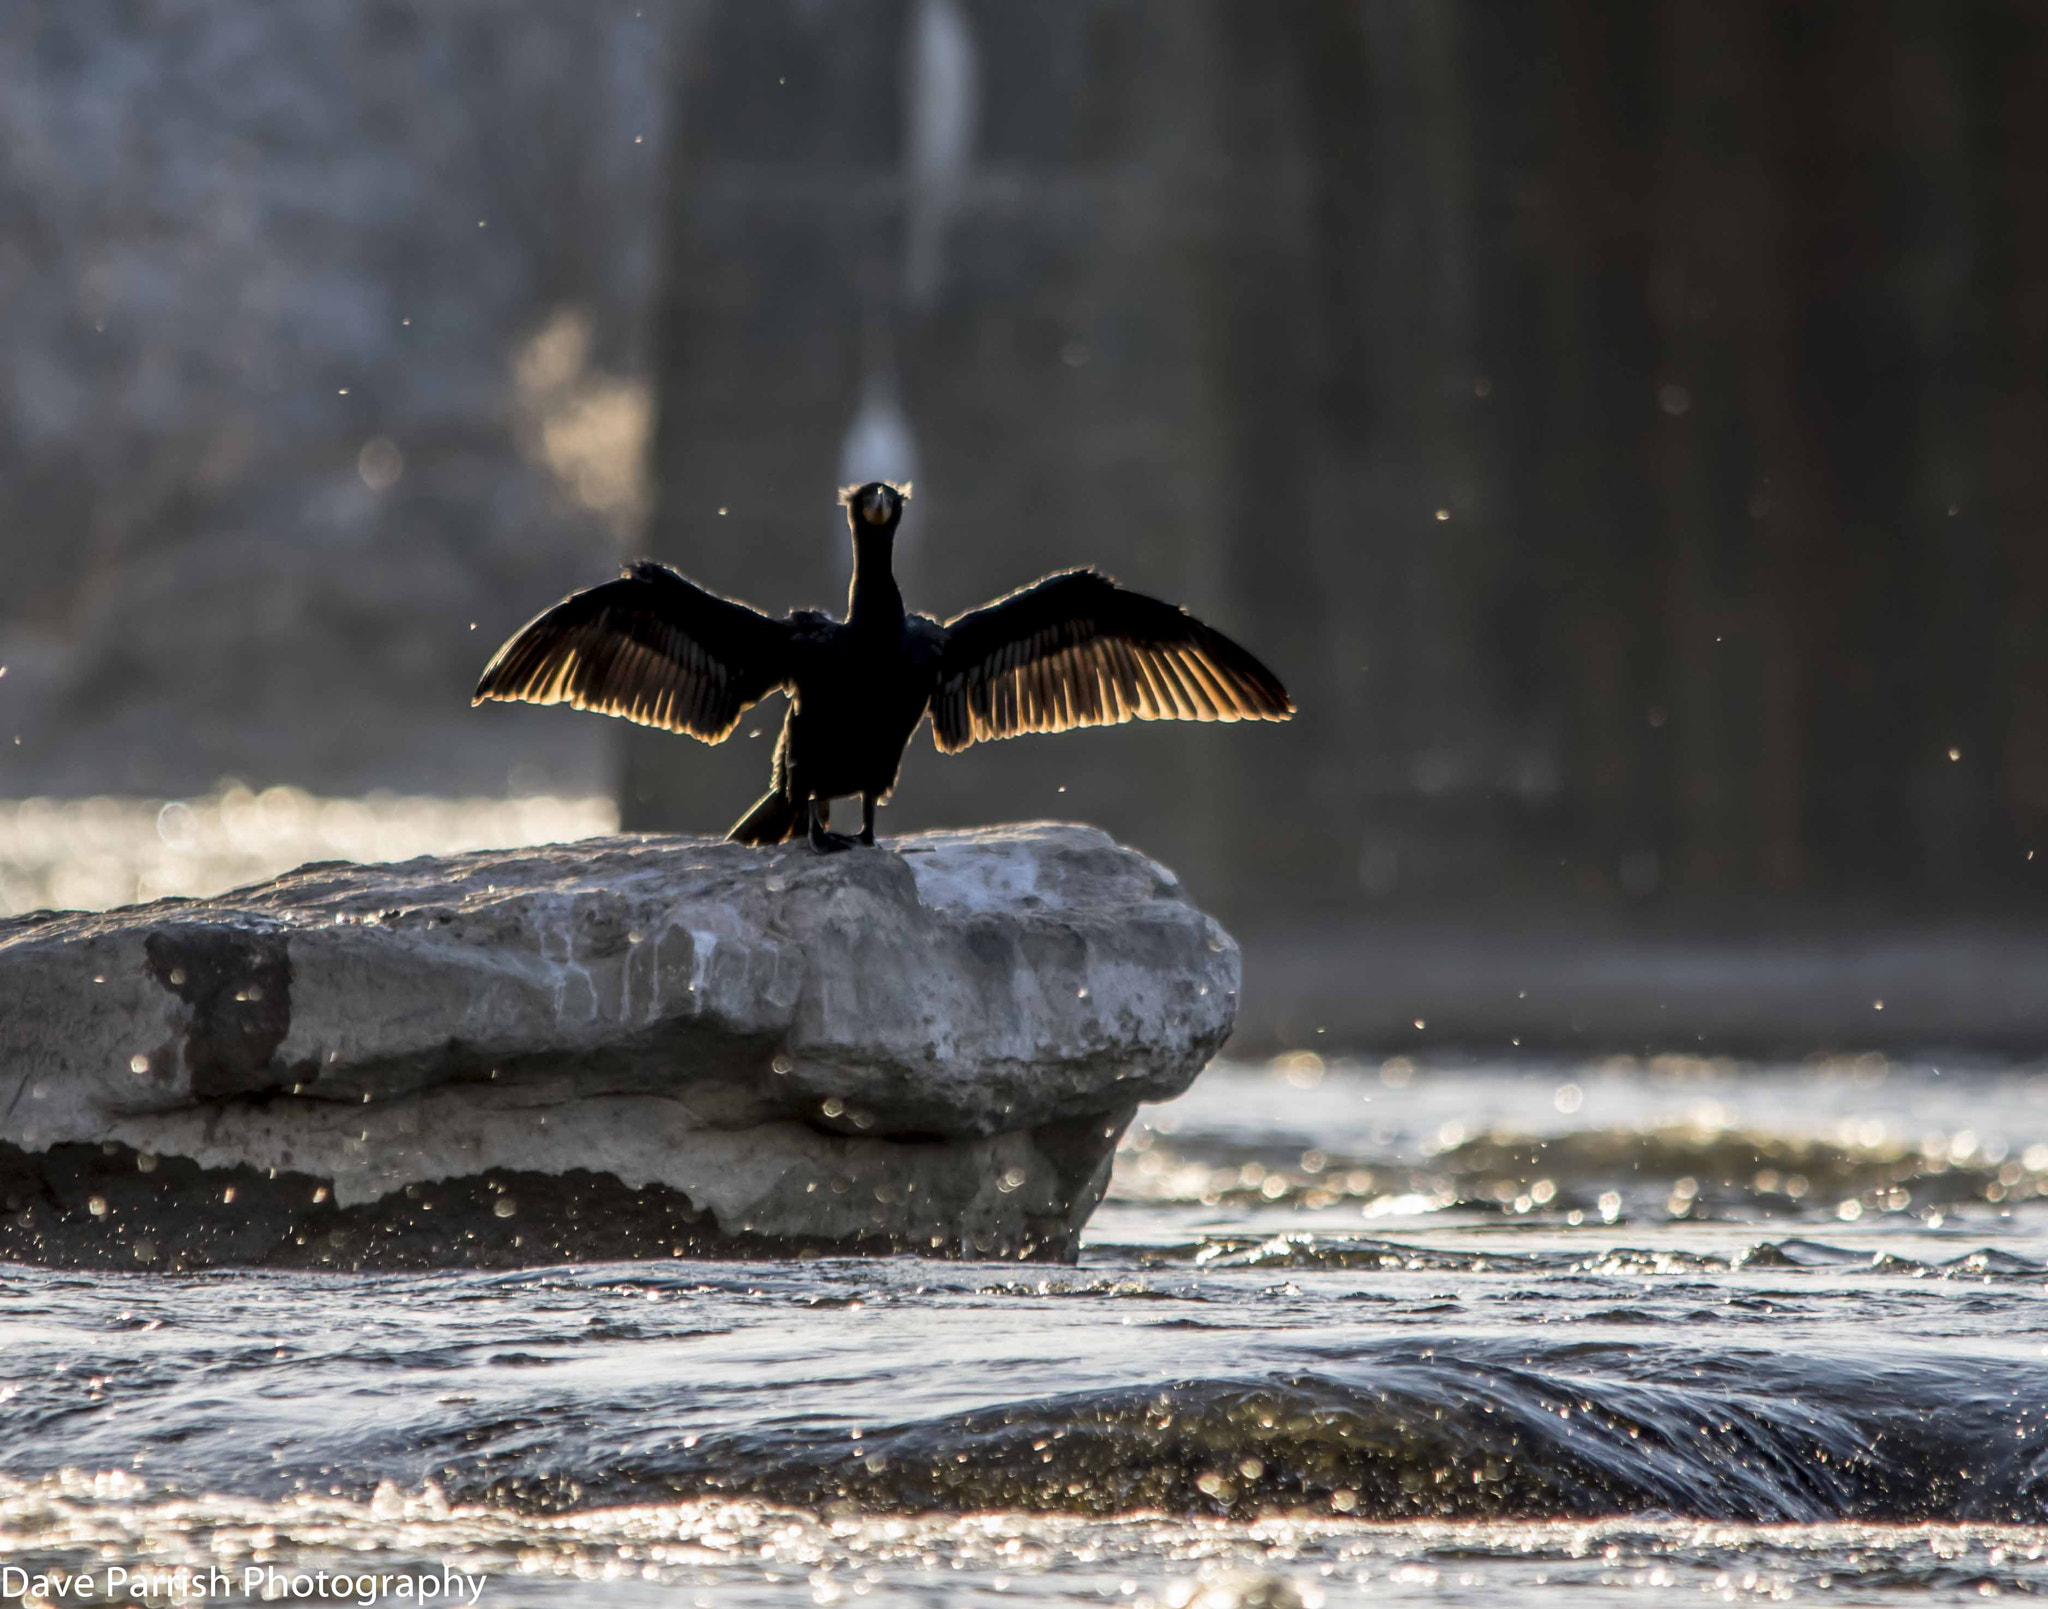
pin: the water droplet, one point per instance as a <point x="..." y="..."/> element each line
<point x="228" y="1195"/>
<point x="1443" y="514"/>
<point x="380" y="464"/>
<point x="138" y="1063"/>
<point x="833" y="1106"/>
<point x="97" y="1206"/>
<point x="146" y="1162"/>
<point x="504" y="1207"/>
<point x="783" y="1066"/>
<point x="1955" y="754"/>
<point x="1011" y="1181"/>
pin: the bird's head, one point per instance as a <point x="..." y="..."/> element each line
<point x="877" y="506"/>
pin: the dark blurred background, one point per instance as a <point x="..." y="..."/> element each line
<point x="1620" y="423"/>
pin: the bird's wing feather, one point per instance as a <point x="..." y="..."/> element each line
<point x="651" y="647"/>
<point x="1076" y="649"/>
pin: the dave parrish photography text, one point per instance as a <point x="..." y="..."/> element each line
<point x="263" y="1583"/>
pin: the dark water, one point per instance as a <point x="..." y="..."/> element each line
<point x="1342" y="1334"/>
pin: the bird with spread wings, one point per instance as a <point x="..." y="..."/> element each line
<point x="1072" y="650"/>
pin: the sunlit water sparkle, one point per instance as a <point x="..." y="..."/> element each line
<point x="88" y="854"/>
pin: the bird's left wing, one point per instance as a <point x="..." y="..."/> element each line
<point x="649" y="646"/>
<point x="1076" y="649"/>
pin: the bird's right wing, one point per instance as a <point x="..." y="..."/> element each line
<point x="651" y="647"/>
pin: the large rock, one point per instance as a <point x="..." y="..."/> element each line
<point x="625" y="1047"/>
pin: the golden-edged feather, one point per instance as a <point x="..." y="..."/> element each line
<point x="1077" y="650"/>
<point x="650" y="647"/>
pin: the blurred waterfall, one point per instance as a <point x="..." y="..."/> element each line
<point x="944" y="87"/>
<point x="941" y="89"/>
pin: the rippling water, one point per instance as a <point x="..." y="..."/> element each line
<point x="88" y="854"/>
<point x="1343" y="1333"/>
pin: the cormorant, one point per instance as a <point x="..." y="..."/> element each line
<point x="1074" y="649"/>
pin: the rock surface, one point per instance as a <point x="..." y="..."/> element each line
<point x="642" y="1046"/>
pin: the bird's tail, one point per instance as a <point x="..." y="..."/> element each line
<point x="772" y="821"/>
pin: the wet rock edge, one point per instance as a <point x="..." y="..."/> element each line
<point x="109" y="1207"/>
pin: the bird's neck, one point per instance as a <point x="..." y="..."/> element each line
<point x="873" y="599"/>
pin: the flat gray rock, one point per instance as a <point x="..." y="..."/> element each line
<point x="644" y="1046"/>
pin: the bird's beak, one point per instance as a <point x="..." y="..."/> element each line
<point x="874" y="507"/>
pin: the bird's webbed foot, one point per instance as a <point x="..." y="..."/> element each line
<point x="823" y="839"/>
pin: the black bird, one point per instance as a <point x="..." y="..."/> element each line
<point x="1072" y="650"/>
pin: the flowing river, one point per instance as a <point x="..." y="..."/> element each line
<point x="1343" y="1333"/>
